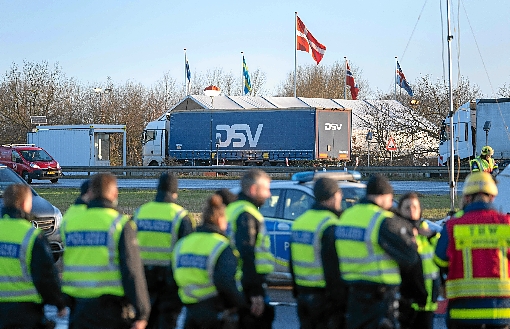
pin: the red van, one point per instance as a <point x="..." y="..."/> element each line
<point x="30" y="162"/>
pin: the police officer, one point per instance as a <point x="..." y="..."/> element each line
<point x="81" y="202"/>
<point x="412" y="315"/>
<point x="205" y="267"/>
<point x="473" y="248"/>
<point x="103" y="272"/>
<point x="247" y="233"/>
<point x="484" y="162"/>
<point x="28" y="277"/>
<point x="160" y="224"/>
<point x="313" y="262"/>
<point x="374" y="247"/>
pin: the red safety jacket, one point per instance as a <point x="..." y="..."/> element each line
<point x="478" y="263"/>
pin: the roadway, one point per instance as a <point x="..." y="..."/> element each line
<point x="400" y="187"/>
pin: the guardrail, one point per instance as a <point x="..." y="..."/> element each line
<point x="138" y="171"/>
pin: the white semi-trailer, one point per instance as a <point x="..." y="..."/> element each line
<point x="476" y="124"/>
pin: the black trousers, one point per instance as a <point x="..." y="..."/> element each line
<point x="98" y="313"/>
<point x="372" y="306"/>
<point x="165" y="302"/>
<point x="21" y="315"/>
<point x="208" y="315"/>
<point x="316" y="311"/>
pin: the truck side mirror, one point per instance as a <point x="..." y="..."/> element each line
<point x="19" y="160"/>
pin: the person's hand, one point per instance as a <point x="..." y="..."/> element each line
<point x="139" y="324"/>
<point x="257" y="305"/>
<point x="61" y="313"/>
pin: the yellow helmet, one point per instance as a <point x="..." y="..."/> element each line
<point x="487" y="150"/>
<point x="480" y="182"/>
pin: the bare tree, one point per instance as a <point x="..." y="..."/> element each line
<point x="322" y="82"/>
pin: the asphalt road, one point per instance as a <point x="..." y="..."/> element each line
<point x="400" y="187"/>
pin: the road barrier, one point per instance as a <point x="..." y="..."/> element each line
<point x="235" y="171"/>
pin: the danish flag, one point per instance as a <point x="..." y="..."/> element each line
<point x="306" y="42"/>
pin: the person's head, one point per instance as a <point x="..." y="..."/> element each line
<point x="379" y="191"/>
<point x="479" y="186"/>
<point x="487" y="152"/>
<point x="18" y="196"/>
<point x="327" y="193"/>
<point x="85" y="192"/>
<point x="168" y="186"/>
<point x="214" y="212"/>
<point x="409" y="206"/>
<point x="255" y="184"/>
<point x="104" y="186"/>
<point x="227" y="196"/>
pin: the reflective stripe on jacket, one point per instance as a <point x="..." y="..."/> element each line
<point x="426" y="249"/>
<point x="91" y="257"/>
<point x="158" y="229"/>
<point x="305" y="241"/>
<point x="194" y="259"/>
<point x="478" y="263"/>
<point x="17" y="237"/>
<point x="264" y="260"/>
<point x="360" y="255"/>
<point x="479" y="164"/>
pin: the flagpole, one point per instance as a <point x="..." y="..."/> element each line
<point x="242" y="74"/>
<point x="345" y="80"/>
<point x="186" y="90"/>
<point x="395" y="77"/>
<point x="295" y="54"/>
<point x="450" y="114"/>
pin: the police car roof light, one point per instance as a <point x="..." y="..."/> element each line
<point x="308" y="176"/>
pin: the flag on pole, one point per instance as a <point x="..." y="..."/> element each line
<point x="349" y="80"/>
<point x="188" y="77"/>
<point x="306" y="42"/>
<point x="402" y="82"/>
<point x="246" y="78"/>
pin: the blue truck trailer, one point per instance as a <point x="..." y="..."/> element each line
<point x="259" y="136"/>
<point x="250" y="130"/>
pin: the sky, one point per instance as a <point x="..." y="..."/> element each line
<point x="140" y="41"/>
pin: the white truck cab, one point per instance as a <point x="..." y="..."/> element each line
<point x="154" y="140"/>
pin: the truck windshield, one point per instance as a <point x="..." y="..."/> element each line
<point x="36" y="155"/>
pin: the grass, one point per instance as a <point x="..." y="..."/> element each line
<point x="434" y="206"/>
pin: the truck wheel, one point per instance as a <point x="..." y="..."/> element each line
<point x="26" y="177"/>
<point x="54" y="180"/>
<point x="266" y="164"/>
<point x="153" y="163"/>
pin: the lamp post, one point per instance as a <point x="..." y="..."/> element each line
<point x="368" y="138"/>
<point x="101" y="92"/>
<point x="486" y="128"/>
<point x="212" y="91"/>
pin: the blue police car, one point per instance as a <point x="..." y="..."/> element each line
<point x="290" y="199"/>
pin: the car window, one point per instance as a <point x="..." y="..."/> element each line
<point x="268" y="209"/>
<point x="8" y="177"/>
<point x="15" y="155"/>
<point x="351" y="196"/>
<point x="296" y="203"/>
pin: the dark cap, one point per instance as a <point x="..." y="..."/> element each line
<point x="378" y="184"/>
<point x="325" y="188"/>
<point x="84" y="187"/>
<point x="167" y="183"/>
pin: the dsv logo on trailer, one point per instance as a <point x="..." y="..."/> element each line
<point x="332" y="126"/>
<point x="237" y="135"/>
